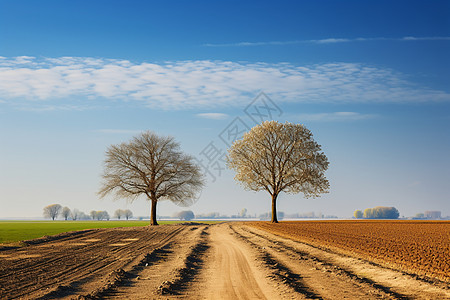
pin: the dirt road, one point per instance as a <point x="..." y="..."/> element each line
<point x="223" y="261"/>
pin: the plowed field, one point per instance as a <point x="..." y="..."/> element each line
<point x="421" y="247"/>
<point x="201" y="261"/>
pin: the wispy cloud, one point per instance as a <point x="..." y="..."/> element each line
<point x="335" y="116"/>
<point x="59" y="83"/>
<point x="245" y="44"/>
<point x="213" y="116"/>
<point x="327" y="41"/>
<point x="39" y="107"/>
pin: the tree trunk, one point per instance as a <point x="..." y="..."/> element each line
<point x="153" y="212"/>
<point x="274" y="208"/>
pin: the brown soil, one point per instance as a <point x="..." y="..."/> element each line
<point x="223" y="261"/>
<point x="419" y="247"/>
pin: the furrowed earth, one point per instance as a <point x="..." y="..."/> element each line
<point x="233" y="260"/>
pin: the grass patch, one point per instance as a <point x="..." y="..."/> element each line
<point x="14" y="231"/>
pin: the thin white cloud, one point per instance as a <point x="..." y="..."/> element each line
<point x="213" y="116"/>
<point x="430" y="38"/>
<point x="38" y="107"/>
<point x="61" y="82"/>
<point x="245" y="44"/>
<point x="334" y="116"/>
<point x="330" y="41"/>
<point x="327" y="41"/>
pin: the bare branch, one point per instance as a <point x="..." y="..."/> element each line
<point x="153" y="166"/>
<point x="279" y="157"/>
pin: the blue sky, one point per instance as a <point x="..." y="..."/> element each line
<point x="371" y="80"/>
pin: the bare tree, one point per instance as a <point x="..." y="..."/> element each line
<point x="118" y="213"/>
<point x="93" y="214"/>
<point x="52" y="211"/>
<point x="75" y="214"/>
<point x="99" y="215"/>
<point x="65" y="213"/>
<point x="152" y="166"/>
<point x="82" y="216"/>
<point x="127" y="214"/>
<point x="278" y="157"/>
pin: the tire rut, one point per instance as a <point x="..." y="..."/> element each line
<point x="66" y="269"/>
<point x="169" y="273"/>
<point x="280" y="271"/>
<point x="324" y="265"/>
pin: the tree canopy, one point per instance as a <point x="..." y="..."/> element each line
<point x="381" y="212"/>
<point x="277" y="157"/>
<point x="186" y="215"/>
<point x="65" y="213"/>
<point x="52" y="211"/>
<point x="152" y="166"/>
<point x="127" y="214"/>
<point x="358" y="214"/>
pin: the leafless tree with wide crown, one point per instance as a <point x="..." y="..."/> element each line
<point x="278" y="157"/>
<point x="52" y="211"/>
<point x="152" y="166"/>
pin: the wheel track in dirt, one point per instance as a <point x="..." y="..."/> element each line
<point x="387" y="283"/>
<point x="135" y="260"/>
<point x="87" y="263"/>
<point x="44" y="261"/>
<point x="231" y="271"/>
<point x="20" y="265"/>
<point x="305" y="273"/>
<point x="168" y="274"/>
<point x="279" y="271"/>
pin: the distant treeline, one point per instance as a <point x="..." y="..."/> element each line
<point x="430" y="215"/>
<point x="54" y="210"/>
<point x="264" y="217"/>
<point x="379" y="212"/>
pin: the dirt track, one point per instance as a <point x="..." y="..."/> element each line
<point x="224" y="261"/>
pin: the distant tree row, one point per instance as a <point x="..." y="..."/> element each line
<point x="99" y="215"/>
<point x="119" y="213"/>
<point x="379" y="212"/>
<point x="429" y="215"/>
<point x="54" y="210"/>
<point x="268" y="215"/>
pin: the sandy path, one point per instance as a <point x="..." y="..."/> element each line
<point x="230" y="271"/>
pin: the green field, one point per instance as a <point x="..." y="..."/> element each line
<point x="14" y="231"/>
